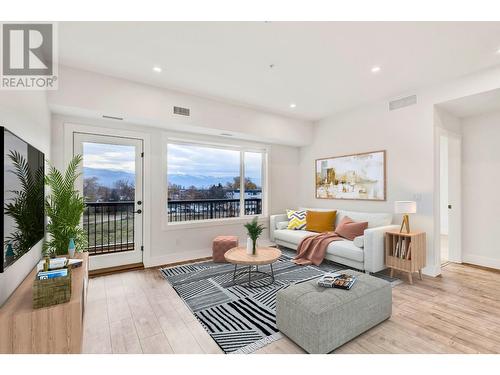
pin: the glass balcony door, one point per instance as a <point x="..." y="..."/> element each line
<point x="111" y="183"/>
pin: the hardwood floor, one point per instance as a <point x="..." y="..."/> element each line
<point x="139" y="312"/>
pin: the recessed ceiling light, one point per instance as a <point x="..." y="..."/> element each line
<point x="157" y="69"/>
<point x="226" y="134"/>
<point x="375" y="69"/>
<point x="293" y="105"/>
<point x="498" y="51"/>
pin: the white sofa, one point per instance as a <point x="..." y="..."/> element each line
<point x="365" y="253"/>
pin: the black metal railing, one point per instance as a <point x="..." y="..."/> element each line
<point x="109" y="226"/>
<point x="189" y="210"/>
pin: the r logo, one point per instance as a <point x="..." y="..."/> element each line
<point x="27" y="49"/>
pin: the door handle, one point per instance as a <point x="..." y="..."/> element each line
<point x="138" y="212"/>
<point x="449" y="206"/>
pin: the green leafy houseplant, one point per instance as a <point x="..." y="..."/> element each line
<point x="26" y="206"/>
<point x="64" y="208"/>
<point x="254" y="230"/>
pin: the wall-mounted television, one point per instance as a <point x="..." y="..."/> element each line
<point x="22" y="180"/>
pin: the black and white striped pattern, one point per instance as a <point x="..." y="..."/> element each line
<point x="232" y="341"/>
<point x="239" y="319"/>
<point x="242" y="292"/>
<point x="268" y="297"/>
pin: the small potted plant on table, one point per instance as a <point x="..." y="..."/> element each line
<point x="254" y="230"/>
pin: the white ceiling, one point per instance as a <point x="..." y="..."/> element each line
<point x="323" y="67"/>
<point x="474" y="105"/>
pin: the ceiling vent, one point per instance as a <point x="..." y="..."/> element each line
<point x="403" y="102"/>
<point x="112" y="117"/>
<point x="181" y="111"/>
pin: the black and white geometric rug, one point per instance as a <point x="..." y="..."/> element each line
<point x="239" y="319"/>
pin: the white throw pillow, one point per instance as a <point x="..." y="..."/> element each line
<point x="374" y="219"/>
<point x="282" y="225"/>
<point x="359" y="241"/>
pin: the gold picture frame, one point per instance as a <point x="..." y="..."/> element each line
<point x="360" y="176"/>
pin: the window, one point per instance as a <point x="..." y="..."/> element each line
<point x="211" y="182"/>
<point x="253" y="183"/>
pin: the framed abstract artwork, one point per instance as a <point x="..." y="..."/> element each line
<point x="356" y="176"/>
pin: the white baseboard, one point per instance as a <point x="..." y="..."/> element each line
<point x="178" y="257"/>
<point x="432" y="271"/>
<point x="481" y="260"/>
<point x="189" y="255"/>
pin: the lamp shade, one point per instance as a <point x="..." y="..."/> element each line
<point x="405" y="207"/>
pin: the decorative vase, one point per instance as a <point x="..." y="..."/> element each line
<point x="71" y="248"/>
<point x="9" y="254"/>
<point x="249" y="246"/>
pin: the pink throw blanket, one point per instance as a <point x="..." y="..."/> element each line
<point x="312" y="249"/>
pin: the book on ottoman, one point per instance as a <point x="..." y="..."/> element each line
<point x="337" y="280"/>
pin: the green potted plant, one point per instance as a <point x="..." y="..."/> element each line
<point x="64" y="208"/>
<point x="254" y="230"/>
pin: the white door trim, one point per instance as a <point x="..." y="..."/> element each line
<point x="455" y="196"/>
<point x="456" y="255"/>
<point x="69" y="128"/>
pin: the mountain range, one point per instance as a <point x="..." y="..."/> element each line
<point x="107" y="177"/>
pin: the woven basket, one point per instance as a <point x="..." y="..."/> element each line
<point x="51" y="292"/>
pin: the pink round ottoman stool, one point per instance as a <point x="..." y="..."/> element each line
<point x="220" y="245"/>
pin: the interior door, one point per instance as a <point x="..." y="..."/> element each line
<point x="112" y="184"/>
<point x="454" y="198"/>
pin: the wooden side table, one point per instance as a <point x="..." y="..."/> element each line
<point x="248" y="277"/>
<point x="405" y="252"/>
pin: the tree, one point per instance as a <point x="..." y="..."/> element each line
<point x="249" y="184"/>
<point x="193" y="193"/>
<point x="216" y="192"/>
<point x="125" y="190"/>
<point x="90" y="187"/>
<point x="174" y="191"/>
<point x="103" y="193"/>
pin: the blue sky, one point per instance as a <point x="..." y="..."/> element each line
<point x="189" y="160"/>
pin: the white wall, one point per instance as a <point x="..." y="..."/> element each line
<point x="447" y="121"/>
<point x="172" y="244"/>
<point x="480" y="189"/>
<point x="92" y="95"/>
<point x="408" y="142"/>
<point x="26" y="114"/>
<point x="83" y="97"/>
<point x="409" y="136"/>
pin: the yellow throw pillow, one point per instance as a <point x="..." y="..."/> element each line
<point x="296" y="219"/>
<point x="321" y="221"/>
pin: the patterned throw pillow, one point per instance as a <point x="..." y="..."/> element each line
<point x="296" y="219"/>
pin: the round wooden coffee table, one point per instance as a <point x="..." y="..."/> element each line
<point x="249" y="276"/>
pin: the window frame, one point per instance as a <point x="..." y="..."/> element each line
<point x="221" y="143"/>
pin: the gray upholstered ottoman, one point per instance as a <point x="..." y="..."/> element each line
<point x="322" y="319"/>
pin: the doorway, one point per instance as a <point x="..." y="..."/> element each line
<point x="111" y="182"/>
<point x="450" y="146"/>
